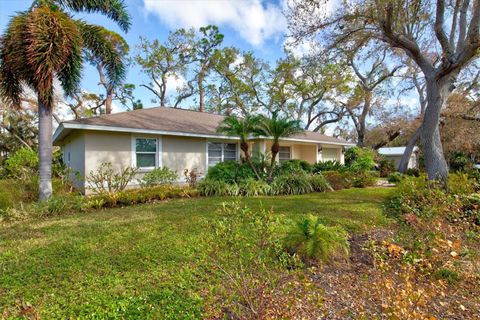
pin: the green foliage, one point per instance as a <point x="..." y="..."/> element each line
<point x="363" y="179"/>
<point x="460" y="183"/>
<point x="253" y="188"/>
<point x="460" y="161"/>
<point x="338" y="180"/>
<point x="360" y="159"/>
<point x="395" y="177"/>
<point x="293" y="166"/>
<point x="22" y="165"/>
<point x="413" y="172"/>
<point x="314" y="242"/>
<point x="295" y="183"/>
<point x="319" y="183"/>
<point x="450" y="276"/>
<point x="385" y="167"/>
<point x="159" y="176"/>
<point x="230" y="172"/>
<point x="107" y="180"/>
<point x="328" y="166"/>
<point x="208" y="187"/>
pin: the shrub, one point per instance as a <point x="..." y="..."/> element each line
<point x="191" y="177"/>
<point x="459" y="161"/>
<point x="106" y="180"/>
<point x="328" y="166"/>
<point x="230" y="172"/>
<point x="359" y="159"/>
<point x="253" y="188"/>
<point x="363" y="179"/>
<point x="293" y="166"/>
<point x="314" y="242"/>
<point x="413" y="172"/>
<point x="209" y="187"/>
<point x="296" y="183"/>
<point x="159" y="176"/>
<point x="338" y="180"/>
<point x="385" y="167"/>
<point x="448" y="275"/>
<point x="460" y="184"/>
<point x="395" y="177"/>
<point x="23" y="164"/>
<point x="319" y="183"/>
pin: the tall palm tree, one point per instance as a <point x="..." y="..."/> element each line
<point x="243" y="128"/>
<point x="45" y="44"/>
<point x="276" y="128"/>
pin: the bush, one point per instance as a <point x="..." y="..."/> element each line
<point x="23" y="164"/>
<point x="395" y="177"/>
<point x="319" y="183"/>
<point x="106" y="180"/>
<point x="293" y="166"/>
<point x="338" y="180"/>
<point x="296" y="183"/>
<point x="314" y="242"/>
<point x="413" y="172"/>
<point x="360" y="159"/>
<point x="230" y="172"/>
<point x="328" y="166"/>
<point x="459" y="161"/>
<point x="460" y="183"/>
<point x="159" y="176"/>
<point x="209" y="187"/>
<point x="253" y="188"/>
<point x="385" y="167"/>
<point x="363" y="179"/>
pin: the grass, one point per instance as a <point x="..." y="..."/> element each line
<point x="142" y="261"/>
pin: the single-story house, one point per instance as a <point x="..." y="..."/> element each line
<point x="175" y="138"/>
<point x="396" y="153"/>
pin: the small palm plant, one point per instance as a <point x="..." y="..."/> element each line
<point x="312" y="241"/>
<point x="276" y="128"/>
<point x="243" y="128"/>
<point x="45" y="44"/>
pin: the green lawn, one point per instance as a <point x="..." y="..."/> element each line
<point x="141" y="261"/>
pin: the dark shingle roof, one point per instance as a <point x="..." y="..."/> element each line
<point x="177" y="120"/>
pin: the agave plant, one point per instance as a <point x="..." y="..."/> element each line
<point x="45" y="44"/>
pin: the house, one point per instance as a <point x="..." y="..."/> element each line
<point x="395" y="154"/>
<point x="176" y="138"/>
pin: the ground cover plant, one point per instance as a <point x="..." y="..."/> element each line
<point x="154" y="260"/>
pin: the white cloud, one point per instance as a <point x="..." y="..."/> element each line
<point x="253" y="20"/>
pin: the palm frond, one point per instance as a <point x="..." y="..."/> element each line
<point x="96" y="40"/>
<point x="114" y="9"/>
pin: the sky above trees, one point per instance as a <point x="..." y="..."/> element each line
<point x="250" y="25"/>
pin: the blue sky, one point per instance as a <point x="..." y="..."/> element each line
<point x="251" y="25"/>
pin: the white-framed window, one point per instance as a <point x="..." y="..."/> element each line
<point x="145" y="153"/>
<point x="284" y="154"/>
<point x="219" y="152"/>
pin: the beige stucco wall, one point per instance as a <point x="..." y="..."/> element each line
<point x="180" y="153"/>
<point x="113" y="147"/>
<point x="307" y="152"/>
<point x="74" y="145"/>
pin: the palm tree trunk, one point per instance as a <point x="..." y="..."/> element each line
<point x="275" y="148"/>
<point x="45" y="149"/>
<point x="244" y="147"/>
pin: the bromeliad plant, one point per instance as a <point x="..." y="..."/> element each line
<point x="45" y="44"/>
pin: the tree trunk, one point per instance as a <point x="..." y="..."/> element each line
<point x="403" y="165"/>
<point x="200" y="91"/>
<point x="435" y="163"/>
<point x="275" y="148"/>
<point x="108" y="101"/>
<point x="362" y="119"/>
<point x="45" y="149"/>
<point x="248" y="159"/>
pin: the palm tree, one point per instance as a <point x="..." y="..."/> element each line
<point x="276" y="128"/>
<point x="243" y="128"/>
<point x="45" y="44"/>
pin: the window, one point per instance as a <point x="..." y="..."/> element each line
<point x="219" y="152"/>
<point x="284" y="154"/>
<point x="145" y="153"/>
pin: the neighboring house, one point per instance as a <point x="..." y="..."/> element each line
<point x="175" y="138"/>
<point x="395" y="154"/>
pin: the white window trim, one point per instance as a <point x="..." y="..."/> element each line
<point x="289" y="153"/>
<point x="158" y="152"/>
<point x="237" y="151"/>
